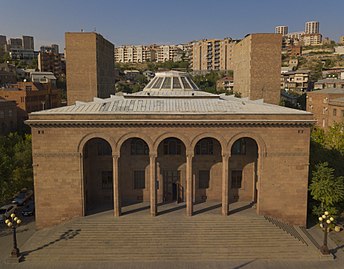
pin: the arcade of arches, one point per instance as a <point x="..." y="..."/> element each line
<point x="169" y="171"/>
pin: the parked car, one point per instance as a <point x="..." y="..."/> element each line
<point x="29" y="209"/>
<point x="6" y="211"/>
<point x="22" y="197"/>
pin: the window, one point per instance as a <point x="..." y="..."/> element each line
<point x="167" y="83"/>
<point x="138" y="147"/>
<point x="334" y="112"/>
<point x="205" y="147"/>
<point x="176" y="83"/>
<point x="2" y="114"/>
<point x="157" y="84"/>
<point x="107" y="179"/>
<point x="139" y="179"/>
<point x="103" y="148"/>
<point x="172" y="146"/>
<point x="203" y="180"/>
<point x="236" y="179"/>
<point x="239" y="147"/>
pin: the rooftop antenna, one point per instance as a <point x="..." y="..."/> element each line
<point x="95" y="29"/>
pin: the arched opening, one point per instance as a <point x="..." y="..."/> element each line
<point x="207" y="170"/>
<point x="171" y="171"/>
<point x="133" y="169"/>
<point x="243" y="171"/>
<point x="98" y="176"/>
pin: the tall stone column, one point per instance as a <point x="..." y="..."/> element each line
<point x="116" y="193"/>
<point x="189" y="185"/>
<point x="225" y="184"/>
<point x="153" y="182"/>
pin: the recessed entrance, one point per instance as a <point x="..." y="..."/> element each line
<point x="172" y="191"/>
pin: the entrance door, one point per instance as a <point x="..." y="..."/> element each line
<point x="172" y="187"/>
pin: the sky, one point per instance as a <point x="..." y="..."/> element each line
<point x="164" y="22"/>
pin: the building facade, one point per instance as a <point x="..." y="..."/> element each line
<point x="283" y="30"/>
<point x="296" y="81"/>
<point x="50" y="62"/>
<point x="329" y="83"/>
<point x="212" y="54"/>
<point x="30" y="97"/>
<point x="326" y="105"/>
<point x="8" y="116"/>
<point x="157" y="146"/>
<point x="90" y="65"/>
<point x="28" y="43"/>
<point x="312" y="27"/>
<point x="257" y="67"/>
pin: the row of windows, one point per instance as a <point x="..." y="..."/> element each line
<point x="139" y="179"/>
<point x="335" y="112"/>
<point x="173" y="147"/>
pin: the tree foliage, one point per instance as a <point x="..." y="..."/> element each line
<point x="15" y="165"/>
<point x="325" y="187"/>
<point x="327" y="169"/>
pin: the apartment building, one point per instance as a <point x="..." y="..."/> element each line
<point x="296" y="81"/>
<point x="283" y="30"/>
<point x="30" y="97"/>
<point x="135" y="53"/>
<point x="312" y="27"/>
<point x="50" y="62"/>
<point x="329" y="83"/>
<point x="327" y="106"/>
<point x="312" y="39"/>
<point x="166" y="53"/>
<point x="28" y="43"/>
<point x="212" y="54"/>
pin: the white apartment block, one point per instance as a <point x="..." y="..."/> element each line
<point x="140" y="53"/>
<point x="312" y="27"/>
<point x="281" y="30"/>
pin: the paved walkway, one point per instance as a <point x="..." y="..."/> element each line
<point x="171" y="240"/>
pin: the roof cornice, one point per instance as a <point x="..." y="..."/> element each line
<point x="166" y="123"/>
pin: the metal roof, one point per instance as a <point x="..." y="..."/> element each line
<point x="182" y="105"/>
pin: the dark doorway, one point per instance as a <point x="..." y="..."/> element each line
<point x="172" y="187"/>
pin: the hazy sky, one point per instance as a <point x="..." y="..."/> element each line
<point x="170" y="22"/>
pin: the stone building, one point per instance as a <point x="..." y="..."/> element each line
<point x="90" y="65"/>
<point x="257" y="67"/>
<point x="170" y="142"/>
<point x="327" y="105"/>
<point x="31" y="96"/>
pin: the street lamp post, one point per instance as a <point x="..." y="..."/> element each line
<point x="13" y="222"/>
<point x="326" y="221"/>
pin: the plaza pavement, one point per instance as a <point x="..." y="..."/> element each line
<point x="41" y="251"/>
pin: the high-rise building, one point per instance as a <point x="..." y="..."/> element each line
<point x="54" y="48"/>
<point x="28" y="43"/>
<point x="3" y="41"/>
<point x="50" y="62"/>
<point x="90" y="66"/>
<point x="257" y="67"/>
<point x="281" y="30"/>
<point x="312" y="27"/>
<point x="15" y="43"/>
<point x="212" y="54"/>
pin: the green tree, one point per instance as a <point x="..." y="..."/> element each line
<point x="327" y="189"/>
<point x="15" y="165"/>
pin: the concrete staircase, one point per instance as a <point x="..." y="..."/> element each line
<point x="169" y="237"/>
